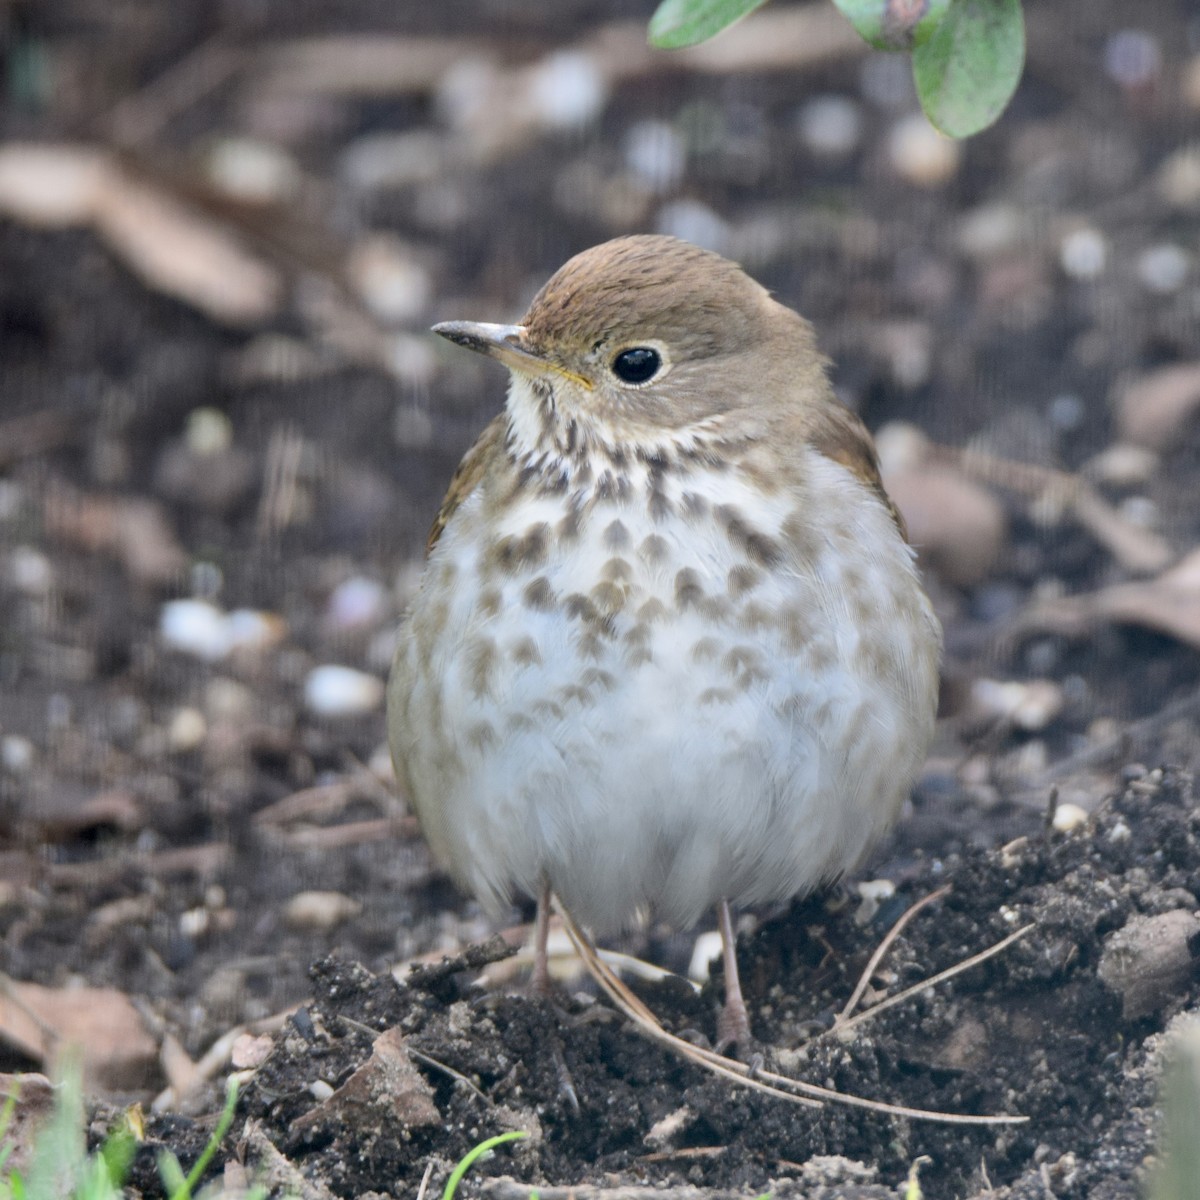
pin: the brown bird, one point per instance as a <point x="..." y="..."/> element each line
<point x="670" y="649"/>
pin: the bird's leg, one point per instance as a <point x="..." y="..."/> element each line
<point x="541" y="934"/>
<point x="733" y="1025"/>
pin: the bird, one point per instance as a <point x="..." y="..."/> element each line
<point x="670" y="652"/>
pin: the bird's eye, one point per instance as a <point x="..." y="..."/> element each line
<point x="637" y="365"/>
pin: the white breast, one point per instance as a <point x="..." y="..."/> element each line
<point x="638" y="709"/>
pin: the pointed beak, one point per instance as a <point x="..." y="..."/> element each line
<point x="505" y="343"/>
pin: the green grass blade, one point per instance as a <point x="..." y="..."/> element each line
<point x="464" y="1165"/>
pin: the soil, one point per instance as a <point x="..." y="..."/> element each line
<point x="166" y="819"/>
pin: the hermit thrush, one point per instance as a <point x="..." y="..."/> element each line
<point x="670" y="649"/>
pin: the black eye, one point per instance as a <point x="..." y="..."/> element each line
<point x="637" y="365"/>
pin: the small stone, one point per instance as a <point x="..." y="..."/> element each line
<point x="336" y="691"/>
<point x="566" y="90"/>
<point x="1122" y="465"/>
<point x="319" y="912"/>
<point x="992" y="230"/>
<point x="30" y="571"/>
<point x="1149" y="960"/>
<point x="16" y="753"/>
<point x="1083" y="253"/>
<point x="1178" y="179"/>
<point x="357" y="603"/>
<point x="187" y="730"/>
<point x="194" y="627"/>
<point x="208" y="431"/>
<point x="655" y="155"/>
<point x="920" y="155"/>
<point x="258" y="172"/>
<point x="831" y="126"/>
<point x="385" y="274"/>
<point x="694" y="222"/>
<point x="1133" y="58"/>
<point x="1068" y="817"/>
<point x="1163" y="268"/>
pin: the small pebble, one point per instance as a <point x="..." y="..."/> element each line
<point x="16" y="753"/>
<point x="248" y="629"/>
<point x="208" y="431"/>
<point x="30" y="571"/>
<point x="1066" y="412"/>
<point x="336" y="691"/>
<point x="392" y="284"/>
<point x="258" y="172"/>
<point x="320" y="1090"/>
<point x="1083" y="253"/>
<point x="1133" y="58"/>
<point x="920" y="155"/>
<point x="831" y="126"/>
<point x="1068" y="817"/>
<point x="187" y="730"/>
<point x="393" y="160"/>
<point x="1140" y="511"/>
<point x="992" y="230"/>
<point x="1163" y="268"/>
<point x="357" y="603"/>
<point x="694" y="222"/>
<point x="194" y="627"/>
<point x="656" y="156"/>
<point x="319" y="912"/>
<point x="1122" y="465"/>
<point x="1178" y="178"/>
<point x="566" y="90"/>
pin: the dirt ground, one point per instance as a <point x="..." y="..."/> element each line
<point x="216" y="386"/>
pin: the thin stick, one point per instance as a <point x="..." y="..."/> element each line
<point x="884" y="946"/>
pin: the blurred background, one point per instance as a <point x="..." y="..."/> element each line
<point x="224" y="428"/>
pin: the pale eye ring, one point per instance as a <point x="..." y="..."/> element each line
<point x="637" y="364"/>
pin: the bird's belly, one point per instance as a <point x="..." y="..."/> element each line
<point x="648" y="720"/>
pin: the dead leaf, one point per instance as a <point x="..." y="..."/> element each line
<point x="100" y="1025"/>
<point x="1152" y="410"/>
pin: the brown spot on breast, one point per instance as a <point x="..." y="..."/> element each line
<point x="651" y="610"/>
<point x="756" y="545"/>
<point x="706" y="650"/>
<point x="653" y="549"/>
<point x="802" y="537"/>
<point x="520" y="553"/>
<point x="741" y="580"/>
<point x="526" y="653"/>
<point x="539" y="595"/>
<point x="597" y="677"/>
<point x="616" y="536"/>
<point x="489" y="602"/>
<point x="660" y="507"/>
<point x="716" y="695"/>
<point x="688" y="591"/>
<point x="616" y="569"/>
<point x="755" y="616"/>
<point x="567" y="530"/>
<point x="609" y="598"/>
<point x="795" y="627"/>
<point x="482" y="736"/>
<point x="694" y="504"/>
<point x="481" y="666"/>
<point x="744" y="661"/>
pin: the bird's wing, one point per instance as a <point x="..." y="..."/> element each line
<point x="466" y="479"/>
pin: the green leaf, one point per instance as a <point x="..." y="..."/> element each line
<point x="968" y="69"/>
<point x="464" y="1163"/>
<point x="894" y="24"/>
<point x="678" y="23"/>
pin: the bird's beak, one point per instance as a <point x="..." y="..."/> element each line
<point x="507" y="344"/>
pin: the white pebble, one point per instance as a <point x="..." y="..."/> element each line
<point x="1068" y="817"/>
<point x="1120" y="832"/>
<point x="318" y="912"/>
<point x="187" y="730"/>
<point x="1066" y="411"/>
<point x="393" y="160"/>
<point x="195" y="922"/>
<point x="991" y="230"/>
<point x="356" y="603"/>
<point x="208" y="431"/>
<point x="335" y="691"/>
<point x="1084" y="253"/>
<point x="1163" y="268"/>
<point x="30" y="571"/>
<point x="1178" y="179"/>
<point x="195" y="627"/>
<point x="248" y="629"/>
<point x="392" y="284"/>
<point x="255" y="171"/>
<point x="920" y="155"/>
<point x="655" y="155"/>
<point x="831" y="126"/>
<point x="1132" y="58"/>
<point x="1122" y="465"/>
<point x="320" y="1090"/>
<point x="566" y="90"/>
<point x="694" y="222"/>
<point x="16" y="753"/>
<point x="1140" y="511"/>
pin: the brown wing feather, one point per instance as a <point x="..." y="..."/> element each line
<point x="466" y="479"/>
<point x="843" y="438"/>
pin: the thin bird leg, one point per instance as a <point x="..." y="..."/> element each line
<point x="733" y="1025"/>
<point x="541" y="934"/>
